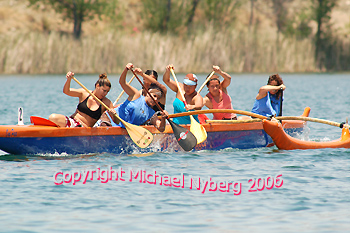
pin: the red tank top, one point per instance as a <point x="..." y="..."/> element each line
<point x="225" y="103"/>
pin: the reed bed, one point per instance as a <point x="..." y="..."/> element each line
<point x="234" y="51"/>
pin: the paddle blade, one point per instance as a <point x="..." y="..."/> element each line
<point x="140" y="136"/>
<point x="198" y="130"/>
<point x="184" y="137"/>
<point x="41" y="121"/>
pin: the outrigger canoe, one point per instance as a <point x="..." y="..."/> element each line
<point x="285" y="142"/>
<point x="42" y="139"/>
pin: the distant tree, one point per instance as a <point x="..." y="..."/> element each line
<point x="321" y="12"/>
<point x="221" y="12"/>
<point x="156" y="14"/>
<point x="191" y="12"/>
<point x="168" y="15"/>
<point x="280" y="11"/>
<point x="251" y="17"/>
<point x="299" y="24"/>
<point x="77" y="11"/>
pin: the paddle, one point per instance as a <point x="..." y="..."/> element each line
<point x="281" y="102"/>
<point x="140" y="136"/>
<point x="184" y="137"/>
<point x="116" y="101"/>
<point x="35" y="120"/>
<point x="209" y="77"/>
<point x="197" y="129"/>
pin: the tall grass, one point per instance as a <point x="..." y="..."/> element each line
<point x="234" y="51"/>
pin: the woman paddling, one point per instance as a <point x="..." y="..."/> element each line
<point x="149" y="77"/>
<point x="268" y="102"/>
<point x="188" y="87"/>
<point x="138" y="109"/>
<point x="88" y="110"/>
<point x="218" y="98"/>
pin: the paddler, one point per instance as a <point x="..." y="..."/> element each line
<point x="268" y="101"/>
<point x="149" y="77"/>
<point x="138" y="109"/>
<point x="88" y="110"/>
<point x="218" y="98"/>
<point x="194" y="100"/>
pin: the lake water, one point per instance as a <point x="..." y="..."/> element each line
<point x="314" y="195"/>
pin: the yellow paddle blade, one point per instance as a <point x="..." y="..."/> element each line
<point x="140" y="136"/>
<point x="198" y="130"/>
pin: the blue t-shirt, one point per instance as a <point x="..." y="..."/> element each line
<point x="267" y="106"/>
<point x="136" y="112"/>
<point x="179" y="107"/>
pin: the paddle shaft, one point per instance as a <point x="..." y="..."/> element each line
<point x="116" y="101"/>
<point x="209" y="77"/>
<point x="281" y="102"/>
<point x="178" y="87"/>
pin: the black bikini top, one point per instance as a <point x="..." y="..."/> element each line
<point x="82" y="107"/>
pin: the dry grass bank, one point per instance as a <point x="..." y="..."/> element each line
<point x="34" y="52"/>
<point x="39" y="41"/>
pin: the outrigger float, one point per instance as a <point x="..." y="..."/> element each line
<point x="49" y="139"/>
<point x="285" y="142"/>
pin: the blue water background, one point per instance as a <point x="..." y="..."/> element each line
<point x="314" y="196"/>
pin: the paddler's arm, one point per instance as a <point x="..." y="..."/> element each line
<point x="71" y="91"/>
<point x="198" y="103"/>
<point x="130" y="90"/>
<point x="207" y="102"/>
<point x="159" y="123"/>
<point x="146" y="77"/>
<point x="149" y="79"/>
<point x="112" y="111"/>
<point x="264" y="89"/>
<point x="167" y="80"/>
<point x="227" y="78"/>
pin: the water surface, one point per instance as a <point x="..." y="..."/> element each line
<point x="313" y="197"/>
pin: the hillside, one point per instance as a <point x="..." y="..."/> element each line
<point x="32" y="38"/>
<point x="15" y="15"/>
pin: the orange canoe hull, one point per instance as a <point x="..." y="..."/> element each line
<point x="285" y="142"/>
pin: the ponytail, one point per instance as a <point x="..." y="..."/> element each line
<point x="103" y="81"/>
